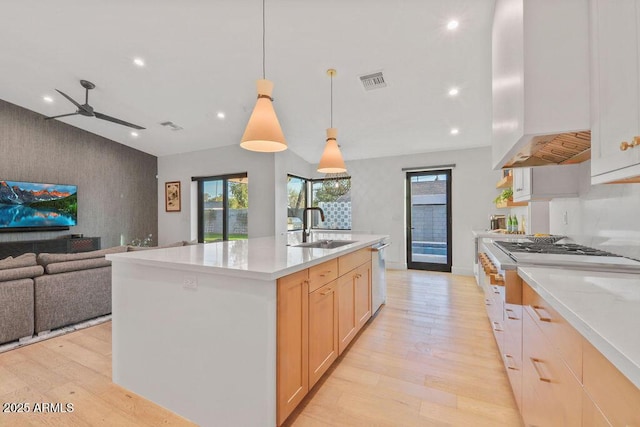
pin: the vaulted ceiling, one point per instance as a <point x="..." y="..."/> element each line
<point x="203" y="58"/>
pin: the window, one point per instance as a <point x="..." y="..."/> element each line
<point x="297" y="201"/>
<point x="223" y="207"/>
<point x="332" y="195"/>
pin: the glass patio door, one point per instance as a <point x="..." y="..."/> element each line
<point x="429" y="220"/>
<point x="223" y="208"/>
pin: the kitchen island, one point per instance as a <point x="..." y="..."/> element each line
<point x="195" y="328"/>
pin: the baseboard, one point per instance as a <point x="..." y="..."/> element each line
<point x="462" y="271"/>
<point x="396" y="265"/>
<point x="45" y="335"/>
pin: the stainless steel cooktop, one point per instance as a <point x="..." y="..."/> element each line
<point x="567" y="255"/>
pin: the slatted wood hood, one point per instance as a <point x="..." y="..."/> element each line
<point x="553" y="149"/>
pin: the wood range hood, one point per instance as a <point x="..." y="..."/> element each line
<point x="553" y="149"/>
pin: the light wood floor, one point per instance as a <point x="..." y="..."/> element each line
<point x="427" y="359"/>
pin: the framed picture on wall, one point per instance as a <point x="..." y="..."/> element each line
<point x="172" y="196"/>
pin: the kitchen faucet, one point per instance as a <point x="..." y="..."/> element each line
<point x="306" y="234"/>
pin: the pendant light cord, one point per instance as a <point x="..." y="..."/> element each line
<point x="331" y="118"/>
<point x="263" y="42"/>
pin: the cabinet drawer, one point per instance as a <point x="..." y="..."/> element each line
<point x="512" y="352"/>
<point x="562" y="336"/>
<point x="612" y="392"/>
<point x="321" y="274"/>
<point x="552" y="396"/>
<point x="350" y="261"/>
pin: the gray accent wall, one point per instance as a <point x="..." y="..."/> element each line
<point x="117" y="185"/>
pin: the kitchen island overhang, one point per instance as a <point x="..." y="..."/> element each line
<point x="194" y="327"/>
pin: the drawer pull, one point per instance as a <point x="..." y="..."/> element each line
<point x="487" y="301"/>
<point x="542" y="314"/>
<point x="508" y="357"/>
<point x="536" y="362"/>
<point x="327" y="292"/>
<point x="496" y="290"/>
<point x="511" y="314"/>
<point x="324" y="273"/>
<point x="497" y="327"/>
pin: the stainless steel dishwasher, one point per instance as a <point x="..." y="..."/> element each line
<point x="378" y="276"/>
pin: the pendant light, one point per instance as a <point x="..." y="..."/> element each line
<point x="331" y="160"/>
<point x="263" y="132"/>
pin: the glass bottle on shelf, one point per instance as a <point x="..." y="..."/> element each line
<point x="515" y="224"/>
<point x="509" y="224"/>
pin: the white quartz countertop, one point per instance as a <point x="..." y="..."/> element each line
<point x="264" y="258"/>
<point x="603" y="307"/>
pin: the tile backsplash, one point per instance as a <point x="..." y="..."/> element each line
<point x="604" y="216"/>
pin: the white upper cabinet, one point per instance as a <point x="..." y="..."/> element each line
<point x="615" y="89"/>
<point x="545" y="182"/>
<point x="540" y="71"/>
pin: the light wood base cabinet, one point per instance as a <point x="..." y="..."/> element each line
<point x="551" y="395"/>
<point x="292" y="357"/>
<point x="354" y="301"/>
<point x="318" y="316"/>
<point x="323" y="330"/>
<point x="565" y="380"/>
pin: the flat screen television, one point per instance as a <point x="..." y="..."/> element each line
<point x="34" y="206"/>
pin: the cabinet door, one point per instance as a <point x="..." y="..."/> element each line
<point x="592" y="416"/>
<point x="615" y="84"/>
<point x="292" y="342"/>
<point x="323" y="330"/>
<point x="521" y="184"/>
<point x="362" y="294"/>
<point x="347" y="322"/>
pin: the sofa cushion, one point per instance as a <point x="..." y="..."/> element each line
<point x="81" y="264"/>
<point x="46" y="259"/>
<point x="21" y="273"/>
<point x="146" y="248"/>
<point x="16" y="309"/>
<point x="24" y="260"/>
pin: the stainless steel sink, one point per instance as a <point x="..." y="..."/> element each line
<point x="325" y="244"/>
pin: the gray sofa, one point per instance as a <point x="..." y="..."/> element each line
<point x="17" y="297"/>
<point x="50" y="291"/>
<point x="74" y="288"/>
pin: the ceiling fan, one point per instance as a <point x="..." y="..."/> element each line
<point x="87" y="110"/>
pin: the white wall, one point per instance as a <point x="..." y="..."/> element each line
<point x="378" y="199"/>
<point x="174" y="226"/>
<point x="604" y="216"/>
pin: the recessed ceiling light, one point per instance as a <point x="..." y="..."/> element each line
<point x="454" y="91"/>
<point x="139" y="62"/>
<point x="455" y="131"/>
<point x="47" y="99"/>
<point x="134" y="134"/>
<point x="453" y="24"/>
<point x="221" y="115"/>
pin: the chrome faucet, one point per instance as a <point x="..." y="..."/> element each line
<point x="306" y="233"/>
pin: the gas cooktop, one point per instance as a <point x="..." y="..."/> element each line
<point x="551" y="248"/>
<point x="569" y="255"/>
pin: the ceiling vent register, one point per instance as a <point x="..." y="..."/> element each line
<point x="171" y="126"/>
<point x="373" y="81"/>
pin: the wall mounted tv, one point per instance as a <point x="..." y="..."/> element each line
<point x="33" y="206"/>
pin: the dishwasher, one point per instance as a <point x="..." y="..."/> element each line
<point x="378" y="276"/>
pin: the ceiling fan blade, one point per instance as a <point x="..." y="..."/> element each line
<point x="114" y="120"/>
<point x="61" y="115"/>
<point x="70" y="99"/>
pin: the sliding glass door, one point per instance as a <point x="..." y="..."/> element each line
<point x="429" y="220"/>
<point x="223" y="208"/>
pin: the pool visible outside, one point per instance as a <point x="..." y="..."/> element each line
<point x="429" y="248"/>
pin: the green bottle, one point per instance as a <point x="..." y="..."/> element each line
<point x="509" y="224"/>
<point x="514" y="224"/>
